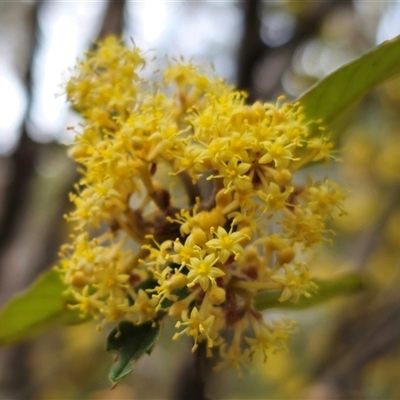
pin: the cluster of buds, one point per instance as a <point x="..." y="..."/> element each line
<point x="187" y="206"/>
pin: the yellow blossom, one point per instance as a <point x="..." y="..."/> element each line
<point x="143" y="309"/>
<point x="227" y="244"/>
<point x="197" y="325"/>
<point x="296" y="281"/>
<point x="202" y="271"/>
<point x="189" y="204"/>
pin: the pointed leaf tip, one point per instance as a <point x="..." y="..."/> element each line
<point x="335" y="97"/>
<point x="131" y="342"/>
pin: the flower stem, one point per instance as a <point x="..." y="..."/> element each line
<point x="239" y="284"/>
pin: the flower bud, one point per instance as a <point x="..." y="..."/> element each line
<point x="223" y="198"/>
<point x="286" y="255"/>
<point x="79" y="279"/>
<point x="137" y="143"/>
<point x="177" y="281"/>
<point x="199" y="236"/>
<point x="176" y="309"/>
<point x="283" y="177"/>
<point x="76" y="152"/>
<point x="217" y="295"/>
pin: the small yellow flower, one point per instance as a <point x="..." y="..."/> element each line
<point x="197" y="325"/>
<point x="202" y="271"/>
<point x="144" y="308"/>
<point x="277" y="151"/>
<point x="227" y="244"/>
<point x="296" y="281"/>
<point x="234" y="174"/>
<point x="273" y="197"/>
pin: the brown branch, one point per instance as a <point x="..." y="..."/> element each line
<point x="373" y="237"/>
<point x="253" y="50"/>
<point x="114" y="19"/>
<point x="360" y="339"/>
<point x="370" y="331"/>
<point x="16" y="237"/>
<point x="192" y="380"/>
<point x="22" y="160"/>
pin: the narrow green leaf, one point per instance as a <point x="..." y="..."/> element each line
<point x="131" y="342"/>
<point x="333" y="98"/>
<point x="326" y="290"/>
<point x="41" y="306"/>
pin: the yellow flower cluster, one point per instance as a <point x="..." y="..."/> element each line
<point x="187" y="206"/>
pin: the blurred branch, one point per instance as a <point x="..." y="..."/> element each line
<point x="17" y="193"/>
<point x="33" y="241"/>
<point x="114" y="18"/>
<point x="370" y="331"/>
<point x="373" y="237"/>
<point x="23" y="158"/>
<point x="360" y="338"/>
<point x="192" y="381"/>
<point x="253" y="50"/>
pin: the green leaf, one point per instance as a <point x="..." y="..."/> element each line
<point x="180" y="294"/>
<point x="131" y="342"/>
<point x="151" y="283"/>
<point x="41" y="306"/>
<point x="333" y="99"/>
<point x="326" y="290"/>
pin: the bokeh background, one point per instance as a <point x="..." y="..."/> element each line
<point x="346" y="348"/>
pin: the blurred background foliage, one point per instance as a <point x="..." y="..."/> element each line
<point x="346" y="348"/>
